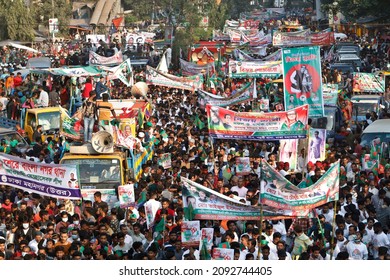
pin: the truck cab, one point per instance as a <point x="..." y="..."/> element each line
<point x="366" y="103"/>
<point x="102" y="172"/>
<point x="49" y="118"/>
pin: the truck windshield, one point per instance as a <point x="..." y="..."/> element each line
<point x="361" y="109"/>
<point x="97" y="173"/>
<point x="49" y="120"/>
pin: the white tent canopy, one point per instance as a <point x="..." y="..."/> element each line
<point x="18" y="46"/>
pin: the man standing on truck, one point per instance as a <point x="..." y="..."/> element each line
<point x="104" y="110"/>
<point x="100" y="88"/>
<point x="89" y="112"/>
<point x="43" y="100"/>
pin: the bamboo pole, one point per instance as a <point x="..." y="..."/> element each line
<point x="333" y="228"/>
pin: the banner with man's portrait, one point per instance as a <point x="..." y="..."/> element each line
<point x="302" y="79"/>
<point x="227" y="124"/>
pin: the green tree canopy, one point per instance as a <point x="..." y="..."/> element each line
<point x="17" y="22"/>
<point x="43" y="11"/>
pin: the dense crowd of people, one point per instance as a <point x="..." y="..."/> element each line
<point x="357" y="226"/>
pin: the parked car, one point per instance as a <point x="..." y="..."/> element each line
<point x="378" y="129"/>
<point x="350" y="58"/>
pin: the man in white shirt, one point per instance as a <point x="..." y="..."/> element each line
<point x="169" y="55"/>
<point x="356" y="249"/>
<point x="33" y="244"/>
<point x="379" y="239"/>
<point x="43" y="100"/>
<point x="3" y="106"/>
<point x="122" y="245"/>
<point x="240" y="189"/>
<point x="152" y="206"/>
<point x="328" y="213"/>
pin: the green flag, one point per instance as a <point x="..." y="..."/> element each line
<point x="163" y="134"/>
<point x="161" y="225"/>
<point x="189" y="212"/>
<point x="155" y="141"/>
<point x="199" y="123"/>
<point x="142" y="198"/>
<point x="140" y="119"/>
<point x="204" y="253"/>
<point x="227" y="173"/>
<point x="225" y="245"/>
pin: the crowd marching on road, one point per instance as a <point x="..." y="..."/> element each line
<point x="34" y="226"/>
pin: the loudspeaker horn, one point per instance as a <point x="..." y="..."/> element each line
<point x="103" y="142"/>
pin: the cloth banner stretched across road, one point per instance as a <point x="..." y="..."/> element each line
<point x="227" y="124"/>
<point x="304" y="37"/>
<point x="155" y="77"/>
<point x="245" y="94"/>
<point x="297" y="38"/>
<point x="95" y="59"/>
<point x="59" y="181"/>
<point x="302" y="79"/>
<point x="254" y="69"/>
<point x="324" y="38"/>
<point x="367" y="82"/>
<point x="275" y="56"/>
<point x="278" y="192"/>
<point x="330" y="94"/>
<point x="207" y="204"/>
<point x="190" y="69"/>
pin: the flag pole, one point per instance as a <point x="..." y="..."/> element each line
<point x="261" y="230"/>
<point x="305" y="160"/>
<point x="333" y="228"/>
<point x="212" y="149"/>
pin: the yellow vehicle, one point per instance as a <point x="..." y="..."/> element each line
<point x="50" y="119"/>
<point x="103" y="168"/>
<point x="100" y="171"/>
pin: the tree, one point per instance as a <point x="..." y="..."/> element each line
<point x="142" y="10"/>
<point x="236" y="7"/>
<point x="17" y="21"/>
<point x="359" y="8"/>
<point x="42" y="11"/>
<point x="355" y="9"/>
<point x="218" y="14"/>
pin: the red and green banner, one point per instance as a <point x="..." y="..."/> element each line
<point x="227" y="124"/>
<point x="278" y="192"/>
<point x="254" y="69"/>
<point x="302" y="79"/>
<point x="367" y="82"/>
<point x="155" y="77"/>
<point x="201" y="203"/>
